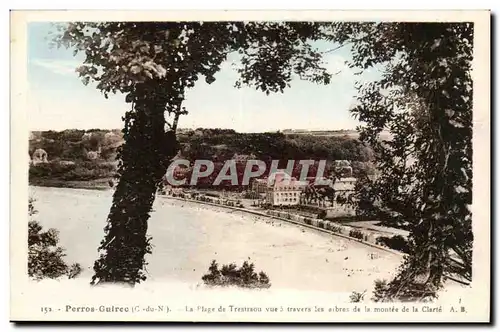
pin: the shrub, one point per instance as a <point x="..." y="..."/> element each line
<point x="322" y="214"/>
<point x="397" y="242"/>
<point x="49" y="170"/>
<point x="356" y="234"/>
<point x="335" y="229"/>
<point x="80" y="171"/>
<point x="231" y="275"/>
<point x="380" y="291"/>
<point x="398" y="290"/>
<point x="45" y="258"/>
<point x="307" y="221"/>
<point x="357" y="297"/>
<point x="74" y="270"/>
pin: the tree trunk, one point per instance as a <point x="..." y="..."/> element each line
<point x="144" y="160"/>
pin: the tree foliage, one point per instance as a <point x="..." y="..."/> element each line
<point x="45" y="258"/>
<point x="231" y="275"/>
<point x="424" y="100"/>
<point x="153" y="64"/>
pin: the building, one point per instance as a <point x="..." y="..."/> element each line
<point x="344" y="191"/>
<point x="260" y="185"/>
<point x="342" y="168"/>
<point x="344" y="185"/>
<point x="179" y="172"/>
<point x="284" y="190"/>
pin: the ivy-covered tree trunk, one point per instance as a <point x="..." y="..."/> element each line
<point x="424" y="100"/>
<point x="144" y="157"/>
<point x="152" y="63"/>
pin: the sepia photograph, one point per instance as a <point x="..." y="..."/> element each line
<point x="250" y="166"/>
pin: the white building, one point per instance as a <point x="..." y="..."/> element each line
<point x="344" y="189"/>
<point x="343" y="167"/>
<point x="282" y="189"/>
<point x="345" y="185"/>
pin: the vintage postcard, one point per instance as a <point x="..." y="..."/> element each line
<point x="250" y="166"/>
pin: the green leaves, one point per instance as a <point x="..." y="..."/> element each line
<point x="119" y="55"/>
<point x="153" y="63"/>
<point x="424" y="101"/>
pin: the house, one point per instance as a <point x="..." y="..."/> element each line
<point x="344" y="190"/>
<point x="180" y="171"/>
<point x="342" y="167"/>
<point x="282" y="189"/>
<point x="345" y="185"/>
<point x="260" y="185"/>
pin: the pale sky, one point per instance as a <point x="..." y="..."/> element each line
<point x="58" y="99"/>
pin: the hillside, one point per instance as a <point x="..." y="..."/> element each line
<point x="336" y="133"/>
<point x="88" y="155"/>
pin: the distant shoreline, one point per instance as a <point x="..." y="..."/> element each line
<point x="98" y="184"/>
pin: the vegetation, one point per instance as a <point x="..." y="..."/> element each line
<point x="45" y="257"/>
<point x="335" y="229"/>
<point x="213" y="144"/>
<point x="380" y="291"/>
<point x="153" y="64"/>
<point x="231" y="275"/>
<point x="69" y="160"/>
<point x="222" y="145"/>
<point x="396" y="242"/>
<point x="356" y="297"/>
<point x="80" y="171"/>
<point x="73" y="144"/>
<point x="357" y="234"/>
<point x="424" y="101"/>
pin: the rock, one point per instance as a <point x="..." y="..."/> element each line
<point x="39" y="156"/>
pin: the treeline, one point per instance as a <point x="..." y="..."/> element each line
<point x="91" y="153"/>
<point x="75" y="144"/>
<point x="212" y="144"/>
<point x="222" y="144"/>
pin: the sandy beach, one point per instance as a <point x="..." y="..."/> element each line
<point x="187" y="236"/>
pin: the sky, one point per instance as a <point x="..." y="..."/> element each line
<point x="58" y="100"/>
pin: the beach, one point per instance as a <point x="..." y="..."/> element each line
<point x="187" y="236"/>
